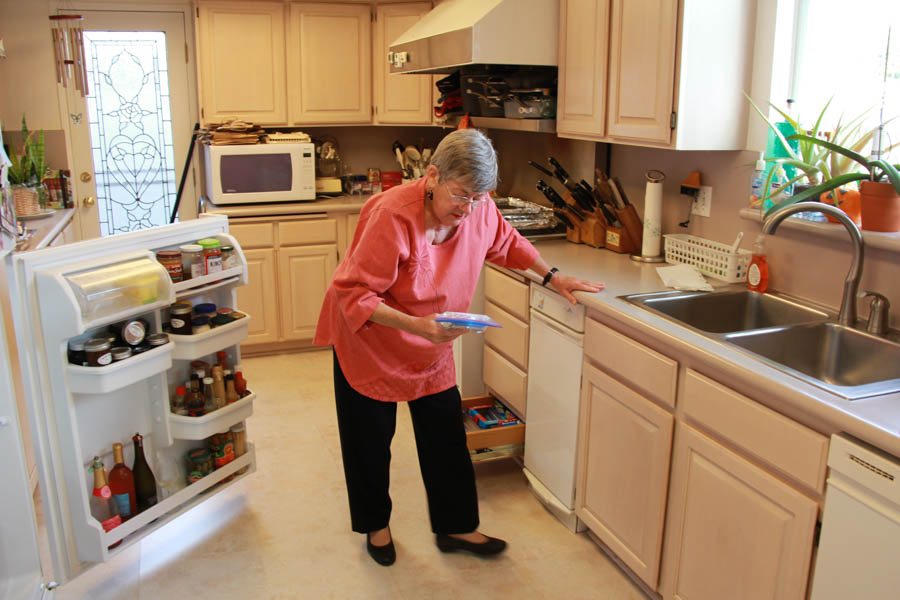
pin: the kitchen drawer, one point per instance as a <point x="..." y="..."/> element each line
<point x="506" y="292"/>
<point x="636" y="365"/>
<point x="308" y="231"/>
<point x="511" y="340"/>
<point x="757" y="430"/>
<point x="495" y="437"/>
<point x="506" y="380"/>
<point x="253" y="235"/>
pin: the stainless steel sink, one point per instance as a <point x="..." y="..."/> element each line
<point x="846" y="361"/>
<point x="728" y="311"/>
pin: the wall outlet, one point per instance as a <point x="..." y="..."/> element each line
<point x="701" y="204"/>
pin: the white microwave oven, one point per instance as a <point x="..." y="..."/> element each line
<point x="254" y="173"/>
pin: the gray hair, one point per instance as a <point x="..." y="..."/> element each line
<point x="467" y="157"/>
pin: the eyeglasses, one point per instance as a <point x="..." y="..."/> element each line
<point x="473" y="200"/>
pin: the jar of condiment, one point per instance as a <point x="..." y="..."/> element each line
<point x="240" y="443"/>
<point x="132" y="332"/>
<point x="171" y="260"/>
<point x="200" y="324"/>
<point x="205" y="309"/>
<point x="120" y="353"/>
<point x="212" y="255"/>
<point x="76" y="352"/>
<point x="199" y="464"/>
<point x="139" y="349"/>
<point x="180" y="318"/>
<point x="219" y="320"/>
<point x="235" y="314"/>
<point x="229" y="257"/>
<point x="157" y="339"/>
<point x="192" y="261"/>
<point x="224" y="311"/>
<point x="96" y="350"/>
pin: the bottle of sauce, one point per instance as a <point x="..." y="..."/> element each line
<point x="121" y="483"/>
<point x="211" y="402"/>
<point x="196" y="403"/>
<point x="240" y="384"/>
<point x="179" y="401"/>
<point x="103" y="507"/>
<point x="231" y="394"/>
<point x="218" y="385"/>
<point x="222" y="359"/>
<point x="758" y="272"/>
<point x="144" y="482"/>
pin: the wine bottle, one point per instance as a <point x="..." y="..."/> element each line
<point x="102" y="506"/>
<point x="144" y="482"/>
<point x="121" y="483"/>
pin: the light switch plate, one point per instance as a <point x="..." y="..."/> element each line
<point x="703" y="201"/>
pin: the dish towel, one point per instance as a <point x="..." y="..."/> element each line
<point x="683" y="277"/>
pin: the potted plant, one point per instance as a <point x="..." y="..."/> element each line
<point x="879" y="186"/>
<point x="27" y="172"/>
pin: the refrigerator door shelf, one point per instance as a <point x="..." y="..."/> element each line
<point x="199" y="285"/>
<point x="166" y="510"/>
<point x="200" y="428"/>
<point x="100" y="380"/>
<point x="200" y="345"/>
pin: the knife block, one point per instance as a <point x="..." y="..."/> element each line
<point x="591" y="231"/>
<point x="618" y="240"/>
<point x="632" y="225"/>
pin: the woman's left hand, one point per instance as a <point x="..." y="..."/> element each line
<point x="565" y="285"/>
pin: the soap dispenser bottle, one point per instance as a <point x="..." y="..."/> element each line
<point x="758" y="181"/>
<point x="758" y="272"/>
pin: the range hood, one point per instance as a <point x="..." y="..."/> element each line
<point x="457" y="33"/>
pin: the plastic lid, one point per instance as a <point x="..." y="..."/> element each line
<point x="201" y="320"/>
<point x="120" y="352"/>
<point x="158" y="339"/>
<point x="168" y="254"/>
<point x="191" y="248"/>
<point x="209" y="243"/>
<point x="181" y="390"/>
<point x="208" y="380"/>
<point x="227" y="248"/>
<point x="97" y="343"/>
<point x="76" y="344"/>
<point x="205" y="307"/>
<point x="221" y="320"/>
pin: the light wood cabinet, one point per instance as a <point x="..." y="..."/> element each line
<point x="658" y="73"/>
<point x="241" y="52"/>
<point x="734" y="531"/>
<point x="505" y="366"/>
<point x="260" y="299"/>
<point x="304" y="275"/>
<point x="623" y="470"/>
<point x="329" y="63"/>
<point x="399" y="99"/>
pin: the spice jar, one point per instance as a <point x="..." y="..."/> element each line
<point x="219" y="320"/>
<point x="212" y="255"/>
<point x="192" y="261"/>
<point x="157" y="339"/>
<point x="229" y="257"/>
<point x="132" y="332"/>
<point x="200" y="324"/>
<point x="120" y="353"/>
<point x="180" y="318"/>
<point x="96" y="350"/>
<point x="205" y="309"/>
<point x="76" y="352"/>
<point x="171" y="260"/>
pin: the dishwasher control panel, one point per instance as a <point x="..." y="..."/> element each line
<point x="558" y="308"/>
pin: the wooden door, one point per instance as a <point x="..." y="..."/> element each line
<point x="583" y="52"/>
<point x="242" y="70"/>
<point x="259" y="299"/>
<point x="399" y="99"/>
<point x="642" y="69"/>
<point x="304" y="275"/>
<point x="734" y="531"/>
<point x="625" y="442"/>
<point x="330" y="63"/>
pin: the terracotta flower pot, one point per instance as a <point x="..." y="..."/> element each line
<point x="880" y="206"/>
<point x="848" y="201"/>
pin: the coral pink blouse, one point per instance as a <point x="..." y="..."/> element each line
<point x="391" y="261"/>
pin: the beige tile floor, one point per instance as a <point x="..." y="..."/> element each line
<point x="283" y="531"/>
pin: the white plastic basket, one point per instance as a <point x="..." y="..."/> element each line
<point x="712" y="258"/>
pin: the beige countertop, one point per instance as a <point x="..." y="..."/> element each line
<point x="875" y="420"/>
<point x="46" y="229"/>
<point x="347" y="203"/>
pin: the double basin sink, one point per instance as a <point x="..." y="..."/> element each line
<point x="798" y="339"/>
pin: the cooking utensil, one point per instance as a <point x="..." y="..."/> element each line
<point x="562" y="217"/>
<point x="398" y="152"/>
<point x="737" y="242"/>
<point x="426" y="157"/>
<point x="557" y="200"/>
<point x="413" y="158"/>
<point x="541" y="169"/>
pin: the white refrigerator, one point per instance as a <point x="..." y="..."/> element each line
<point x="77" y="412"/>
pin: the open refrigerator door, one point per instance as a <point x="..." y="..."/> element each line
<point x="78" y="412"/>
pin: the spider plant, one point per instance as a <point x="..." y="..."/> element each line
<point x="29" y="165"/>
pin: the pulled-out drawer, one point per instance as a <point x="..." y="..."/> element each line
<point x="506" y="380"/>
<point x="511" y="340"/>
<point x="636" y="365"/>
<point x="772" y="438"/>
<point x="495" y="438"/>
<point x="506" y="292"/>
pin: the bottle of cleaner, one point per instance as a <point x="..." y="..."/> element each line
<point x="758" y="272"/>
<point x="780" y="188"/>
<point x="758" y="181"/>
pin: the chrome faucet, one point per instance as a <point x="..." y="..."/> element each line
<point x="847" y="314"/>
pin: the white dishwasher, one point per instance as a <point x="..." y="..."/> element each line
<point x="555" y="347"/>
<point x="860" y="540"/>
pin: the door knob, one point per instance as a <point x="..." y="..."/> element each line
<point x="85" y="176"/>
<point x="88" y="201"/>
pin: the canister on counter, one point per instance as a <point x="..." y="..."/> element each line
<point x="180" y="318"/>
<point x="171" y="260"/>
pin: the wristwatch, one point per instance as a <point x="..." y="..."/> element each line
<point x="549" y="276"/>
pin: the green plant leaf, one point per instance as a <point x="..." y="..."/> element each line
<point x="815" y="192"/>
<point x="834" y="148"/>
<point x="890" y="171"/>
<point x="781" y="137"/>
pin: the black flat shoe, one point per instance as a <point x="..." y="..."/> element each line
<point x="383" y="555"/>
<point x="448" y="543"/>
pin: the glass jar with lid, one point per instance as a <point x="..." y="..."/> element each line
<point x="97" y="351"/>
<point x="212" y="255"/>
<point x="229" y="257"/>
<point x="192" y="261"/>
<point x="171" y="260"/>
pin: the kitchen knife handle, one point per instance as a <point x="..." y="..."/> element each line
<point x="540" y="168"/>
<point x="558" y="167"/>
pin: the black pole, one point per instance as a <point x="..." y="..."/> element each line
<point x="184" y="173"/>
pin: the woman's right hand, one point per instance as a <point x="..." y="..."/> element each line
<point x="436" y="333"/>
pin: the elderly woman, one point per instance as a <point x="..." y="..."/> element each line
<point x="417" y="252"/>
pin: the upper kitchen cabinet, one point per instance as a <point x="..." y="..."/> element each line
<point x="399" y="99"/>
<point x="657" y="73"/>
<point x="241" y="50"/>
<point x="330" y="63"/>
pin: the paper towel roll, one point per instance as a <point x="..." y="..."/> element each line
<point x="650" y="245"/>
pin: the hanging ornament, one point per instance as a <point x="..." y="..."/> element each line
<point x="68" y="50"/>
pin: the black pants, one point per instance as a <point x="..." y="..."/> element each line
<point x="367" y="427"/>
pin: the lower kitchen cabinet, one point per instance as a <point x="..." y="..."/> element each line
<point x="625" y="442"/>
<point x="734" y="530"/>
<point x="304" y="274"/>
<point x="505" y="367"/>
<point x="260" y="299"/>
